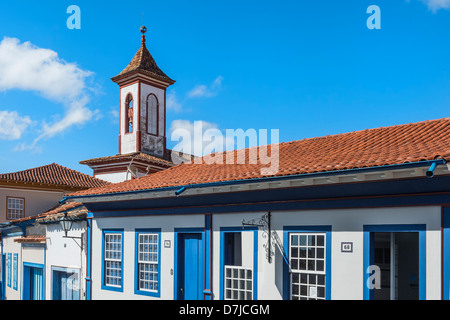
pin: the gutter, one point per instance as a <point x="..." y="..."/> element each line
<point x="181" y="188"/>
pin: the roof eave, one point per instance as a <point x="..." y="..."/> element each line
<point x="91" y="197"/>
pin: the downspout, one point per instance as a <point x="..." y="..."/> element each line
<point x="430" y="171"/>
<point x="88" y="257"/>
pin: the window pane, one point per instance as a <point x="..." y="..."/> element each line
<point x="307" y="261"/>
<point x="148" y="262"/>
<point x="113" y="263"/>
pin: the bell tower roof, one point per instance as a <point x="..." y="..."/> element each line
<point x="144" y="63"/>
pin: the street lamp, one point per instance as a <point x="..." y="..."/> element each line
<point x="66" y="225"/>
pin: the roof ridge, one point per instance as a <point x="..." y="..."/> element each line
<point x="366" y="130"/>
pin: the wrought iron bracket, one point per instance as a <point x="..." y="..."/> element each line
<point x="264" y="224"/>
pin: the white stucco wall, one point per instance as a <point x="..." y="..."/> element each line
<point x="9" y="246"/>
<point x="114" y="177"/>
<point x="347" y="274"/>
<point x="66" y="254"/>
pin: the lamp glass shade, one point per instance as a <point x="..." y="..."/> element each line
<point x="66" y="223"/>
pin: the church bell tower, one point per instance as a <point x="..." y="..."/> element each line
<point x="142" y="132"/>
<point x="143" y="104"/>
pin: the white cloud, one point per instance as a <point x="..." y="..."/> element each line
<point x="25" y="66"/>
<point x="198" y="138"/>
<point x="435" y="5"/>
<point x="172" y="102"/>
<point x="12" y="125"/>
<point x="202" y="90"/>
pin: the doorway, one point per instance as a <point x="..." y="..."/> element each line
<point x="397" y="255"/>
<point x="189" y="266"/>
<point x="395" y="262"/>
<point x="33" y="282"/>
<point x="65" y="284"/>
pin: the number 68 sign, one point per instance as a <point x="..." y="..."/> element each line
<point x="346" y="246"/>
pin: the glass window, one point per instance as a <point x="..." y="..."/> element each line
<point x="148" y="261"/>
<point x="307" y="260"/>
<point x="152" y="115"/>
<point x="113" y="259"/>
<point x="238" y="280"/>
<point x="15" y="261"/>
<point x="16" y="208"/>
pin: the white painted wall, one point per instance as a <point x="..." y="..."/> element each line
<point x="114" y="177"/>
<point x="65" y="253"/>
<point x="130" y="224"/>
<point x="9" y="246"/>
<point x="347" y="268"/>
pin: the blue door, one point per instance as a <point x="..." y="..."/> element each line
<point x="33" y="282"/>
<point x="65" y="285"/>
<point x="190" y="273"/>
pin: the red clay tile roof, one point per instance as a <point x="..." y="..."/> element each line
<point x="31" y="239"/>
<point x="74" y="209"/>
<point x="144" y="62"/>
<point x="127" y="157"/>
<point x="56" y="175"/>
<point x="422" y="141"/>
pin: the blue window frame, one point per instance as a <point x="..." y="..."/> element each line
<point x="112" y="260"/>
<point x="237" y="282"/>
<point x="307" y="268"/>
<point x="147" y="262"/>
<point x="8" y="271"/>
<point x="15" y="267"/>
<point x="369" y="253"/>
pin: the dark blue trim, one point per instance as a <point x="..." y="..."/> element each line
<point x="136" y="263"/>
<point x="225" y="230"/>
<point x="278" y="178"/>
<point x="105" y="286"/>
<point x="368" y="253"/>
<point x="346" y="202"/>
<point x="9" y="269"/>
<point x="89" y="259"/>
<point x="286" y="242"/>
<point x="15" y="270"/>
<point x="207" y="293"/>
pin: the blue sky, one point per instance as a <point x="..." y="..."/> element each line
<point x="307" y="68"/>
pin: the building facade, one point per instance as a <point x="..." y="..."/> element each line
<point x="361" y="215"/>
<point x="38" y="263"/>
